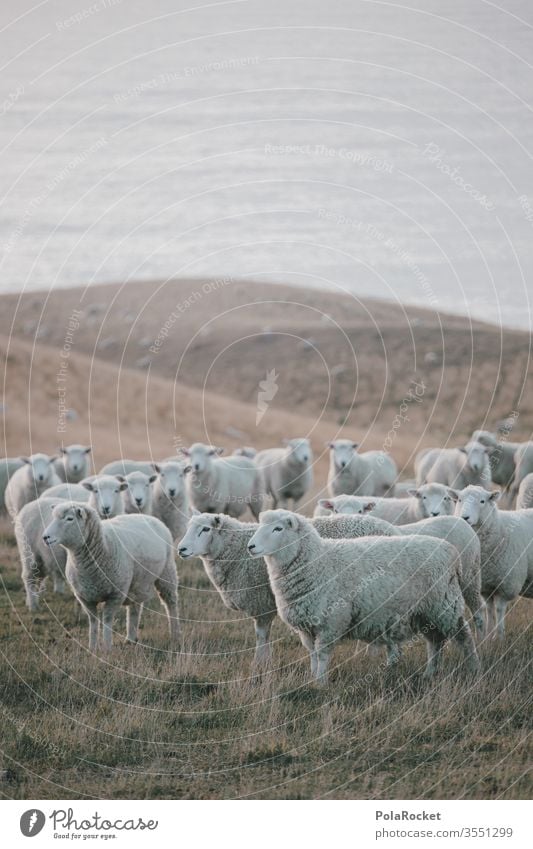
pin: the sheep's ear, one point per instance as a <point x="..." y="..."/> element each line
<point x="292" y="521"/>
<point x="414" y="493"/>
<point x="121" y="478"/>
<point x="123" y="486"/>
<point x="63" y="450"/>
<point x="217" y="451"/>
<point x="185" y="452"/>
<point x="88" y="449"/>
<point x="53" y="458"/>
<point x="355" y="446"/>
<point x="217" y="521"/>
<point x="80" y="512"/>
<point x="195" y="512"/>
<point x="329" y="444"/>
<point x="187" y="469"/>
<point x="368" y="507"/>
<point x="87" y="485"/>
<point x="152" y="478"/>
<point x="25" y="459"/>
<point x="453" y="493"/>
<point x="463" y="449"/>
<point x="326" y="503"/>
<point x="157" y="467"/>
<point x="494" y="496"/>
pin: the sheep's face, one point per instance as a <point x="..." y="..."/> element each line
<point x="201" y="535"/>
<point x="299" y="451"/>
<point x="75" y="458"/>
<point x="172" y="478"/>
<point x="138" y="487"/>
<point x="278" y="530"/>
<point x="41" y="467"/>
<point x="64" y="529"/>
<point x="435" y="499"/>
<point x="475" y="504"/>
<point x="105" y="497"/>
<point x="476" y="456"/>
<point x="348" y="505"/>
<point x="200" y="456"/>
<point x="342" y="453"/>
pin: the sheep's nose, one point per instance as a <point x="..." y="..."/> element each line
<point x="46" y="537"/>
<point x="466" y="518"/>
<point x="196" y="467"/>
<point x="182" y="550"/>
<point x="435" y="513"/>
<point x="106" y="510"/>
<point x="251" y="546"/>
<point x="172" y="492"/>
<point x="41" y="477"/>
<point x="343" y="463"/>
<point x="305" y="458"/>
<point x="139" y="501"/>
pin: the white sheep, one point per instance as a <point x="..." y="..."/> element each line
<point x="245" y="451"/>
<point x="222" y="544"/>
<point x="432" y="499"/>
<point x="380" y="590"/>
<point x="73" y="465"/>
<point x="351" y="473"/>
<point x="125" y="467"/>
<point x="523" y="460"/>
<point x="170" y="501"/>
<point x="455" y="467"/>
<point x="8" y="465"/>
<point x="223" y="485"/>
<point x="38" y="560"/>
<point x="105" y="495"/>
<point x="137" y="492"/>
<point x="116" y="562"/>
<point x="501" y="457"/>
<point x="287" y="472"/>
<point x="68" y="492"/>
<point x="525" y="493"/>
<point x="30" y="481"/>
<point x="506" y="539"/>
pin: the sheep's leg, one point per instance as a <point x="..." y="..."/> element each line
<point x="500" y="605"/>
<point x="92" y="614"/>
<point x="323" y="654"/>
<point x="32" y="576"/>
<point x="394" y="654"/>
<point x="465" y="641"/>
<point x="168" y="595"/>
<point x="475" y="603"/>
<point x="434" y="655"/>
<point x="491" y="616"/>
<point x="59" y="584"/>
<point x="263" y="650"/>
<point x="256" y="505"/>
<point x="133" y="615"/>
<point x="108" y="617"/>
<point x="309" y="644"/>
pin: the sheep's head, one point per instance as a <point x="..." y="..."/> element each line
<point x="342" y="452"/>
<point x="435" y="499"/>
<point x="475" y="504"/>
<point x="171" y="478"/>
<point x="67" y="519"/>
<point x="476" y="455"/>
<point x="138" y="487"/>
<point x="200" y="455"/>
<point x="350" y="505"/>
<point x="299" y="450"/>
<point x="201" y="536"/>
<point x="278" y="530"/>
<point x="75" y="457"/>
<point x="42" y="469"/>
<point x="105" y="491"/>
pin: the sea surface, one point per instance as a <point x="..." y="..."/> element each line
<point x="378" y="148"/>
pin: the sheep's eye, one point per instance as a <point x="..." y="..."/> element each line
<point x="206" y="529"/>
<point x="70" y="518"/>
<point x="482" y="502"/>
<point x="278" y="529"/>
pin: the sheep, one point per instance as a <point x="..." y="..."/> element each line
<point x="242" y="583"/>
<point x="170" y="502"/>
<point x="455" y="467"/>
<point x="351" y="473"/>
<point x="506" y="539"/>
<point x="105" y="494"/>
<point x="245" y="451"/>
<point x="73" y="465"/>
<point x="8" y="465"/>
<point x="401" y="489"/>
<point x="226" y="485"/>
<point x="114" y="563"/>
<point x="501" y="457"/>
<point x="525" y="493"/>
<point x="30" y="481"/>
<point x="125" y="467"/>
<point x="287" y="472"/>
<point x="68" y="492"/>
<point x="444" y="527"/>
<point x="382" y="590"/>
<point x="137" y="492"/>
<point x="523" y="460"/>
<point x="432" y="499"/>
<point x="38" y="560"/>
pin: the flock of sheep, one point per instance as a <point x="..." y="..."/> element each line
<point x="380" y="561"/>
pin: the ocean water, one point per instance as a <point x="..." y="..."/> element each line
<point x="370" y="147"/>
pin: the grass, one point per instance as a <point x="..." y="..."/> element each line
<point x="145" y="723"/>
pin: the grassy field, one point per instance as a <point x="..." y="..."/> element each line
<point x="142" y="722"/>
